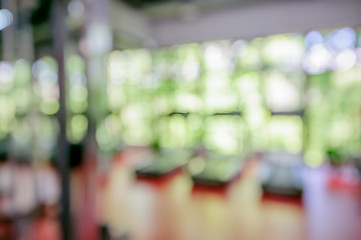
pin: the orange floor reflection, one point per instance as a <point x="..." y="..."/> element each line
<point x="172" y="210"/>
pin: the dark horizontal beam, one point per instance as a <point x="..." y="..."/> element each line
<point x="235" y="113"/>
<point x="186" y="114"/>
<point x="288" y="113"/>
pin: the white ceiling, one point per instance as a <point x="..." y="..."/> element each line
<point x="175" y="23"/>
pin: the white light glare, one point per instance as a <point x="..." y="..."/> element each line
<point x="6" y="18"/>
<point x="214" y="57"/>
<point x="345" y="60"/>
<point x="317" y="59"/>
<point x="6" y="72"/>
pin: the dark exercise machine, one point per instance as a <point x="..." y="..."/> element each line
<point x="212" y="169"/>
<point x="281" y="172"/>
<point x="163" y="163"/>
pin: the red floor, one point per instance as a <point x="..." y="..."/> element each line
<point x="172" y="209"/>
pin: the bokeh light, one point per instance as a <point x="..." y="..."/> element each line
<point x="6" y="18"/>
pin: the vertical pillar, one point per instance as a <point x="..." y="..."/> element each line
<point x="24" y="39"/>
<point x="8" y="34"/>
<point x="97" y="43"/>
<point x="58" y="26"/>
